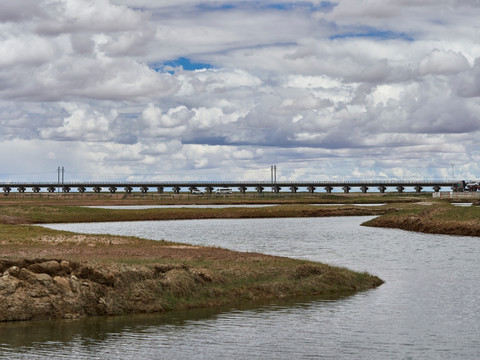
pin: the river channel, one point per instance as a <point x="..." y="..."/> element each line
<point x="428" y="308"/>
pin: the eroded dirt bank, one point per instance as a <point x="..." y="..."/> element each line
<point x="46" y="289"/>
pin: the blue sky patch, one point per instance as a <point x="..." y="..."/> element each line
<point x="374" y="34"/>
<point x="216" y="7"/>
<point x="324" y="6"/>
<point x="182" y="62"/>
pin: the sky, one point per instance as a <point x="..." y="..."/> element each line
<point x="132" y="90"/>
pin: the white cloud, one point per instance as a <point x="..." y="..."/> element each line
<point x="387" y="88"/>
<point x="26" y="49"/>
<point x="82" y="124"/>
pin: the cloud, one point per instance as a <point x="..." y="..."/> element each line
<point x="443" y="62"/>
<point x="344" y="90"/>
<point x="81" y="124"/>
<point x="468" y="83"/>
<point x="19" y="10"/>
<point x="66" y="16"/>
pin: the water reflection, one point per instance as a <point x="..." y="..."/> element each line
<point x="429" y="307"/>
<point x="55" y="336"/>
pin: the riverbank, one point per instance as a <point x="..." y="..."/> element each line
<point x="433" y="218"/>
<point x="47" y="274"/>
<point x="157" y="278"/>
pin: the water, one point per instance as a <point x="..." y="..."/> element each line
<point x="429" y="307"/>
<point x="195" y="206"/>
<point x="204" y="206"/>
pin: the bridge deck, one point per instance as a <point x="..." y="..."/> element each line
<point x="242" y="186"/>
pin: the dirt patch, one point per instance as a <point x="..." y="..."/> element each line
<point x="82" y="239"/>
<point x="53" y="288"/>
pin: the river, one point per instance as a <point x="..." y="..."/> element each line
<point x="428" y="308"/>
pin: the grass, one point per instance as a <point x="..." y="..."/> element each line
<point x="41" y="214"/>
<point x="152" y="275"/>
<point x="437" y="217"/>
<point x="183" y="198"/>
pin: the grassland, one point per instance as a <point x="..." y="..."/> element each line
<point x="433" y="217"/>
<point x="53" y="274"/>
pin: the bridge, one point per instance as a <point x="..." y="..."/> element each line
<point x="241" y="186"/>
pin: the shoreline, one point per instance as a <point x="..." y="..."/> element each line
<point x="441" y="219"/>
<point x="173" y="278"/>
<point x="48" y="274"/>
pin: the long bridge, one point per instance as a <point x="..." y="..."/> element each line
<point x="241" y="186"/>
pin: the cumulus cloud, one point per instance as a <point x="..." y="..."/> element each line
<point x="81" y="125"/>
<point x="386" y="88"/>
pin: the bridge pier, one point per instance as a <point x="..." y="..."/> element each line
<point x="81" y="189"/>
<point x="436" y="188"/>
<point x="364" y="189"/>
<point x="311" y="189"/>
<point x="418" y="189"/>
<point x="329" y="189"/>
<point x="259" y="189"/>
<point x="6" y="189"/>
<point x="160" y="189"/>
<point x="242" y="189"/>
<point x="144" y="189"/>
<point x="346" y="189"/>
<point x="66" y="189"/>
<point x="51" y="189"/>
<point x="176" y="190"/>
<point x="400" y="189"/>
<point x="128" y="189"/>
<point x="209" y="189"/>
<point x="36" y="189"/>
<point x="276" y="188"/>
<point x="293" y="188"/>
<point x="191" y="188"/>
<point x="21" y="189"/>
<point x="97" y="189"/>
<point x="112" y="189"/>
<point x="382" y="188"/>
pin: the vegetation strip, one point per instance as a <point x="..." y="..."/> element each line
<point x="31" y="214"/>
